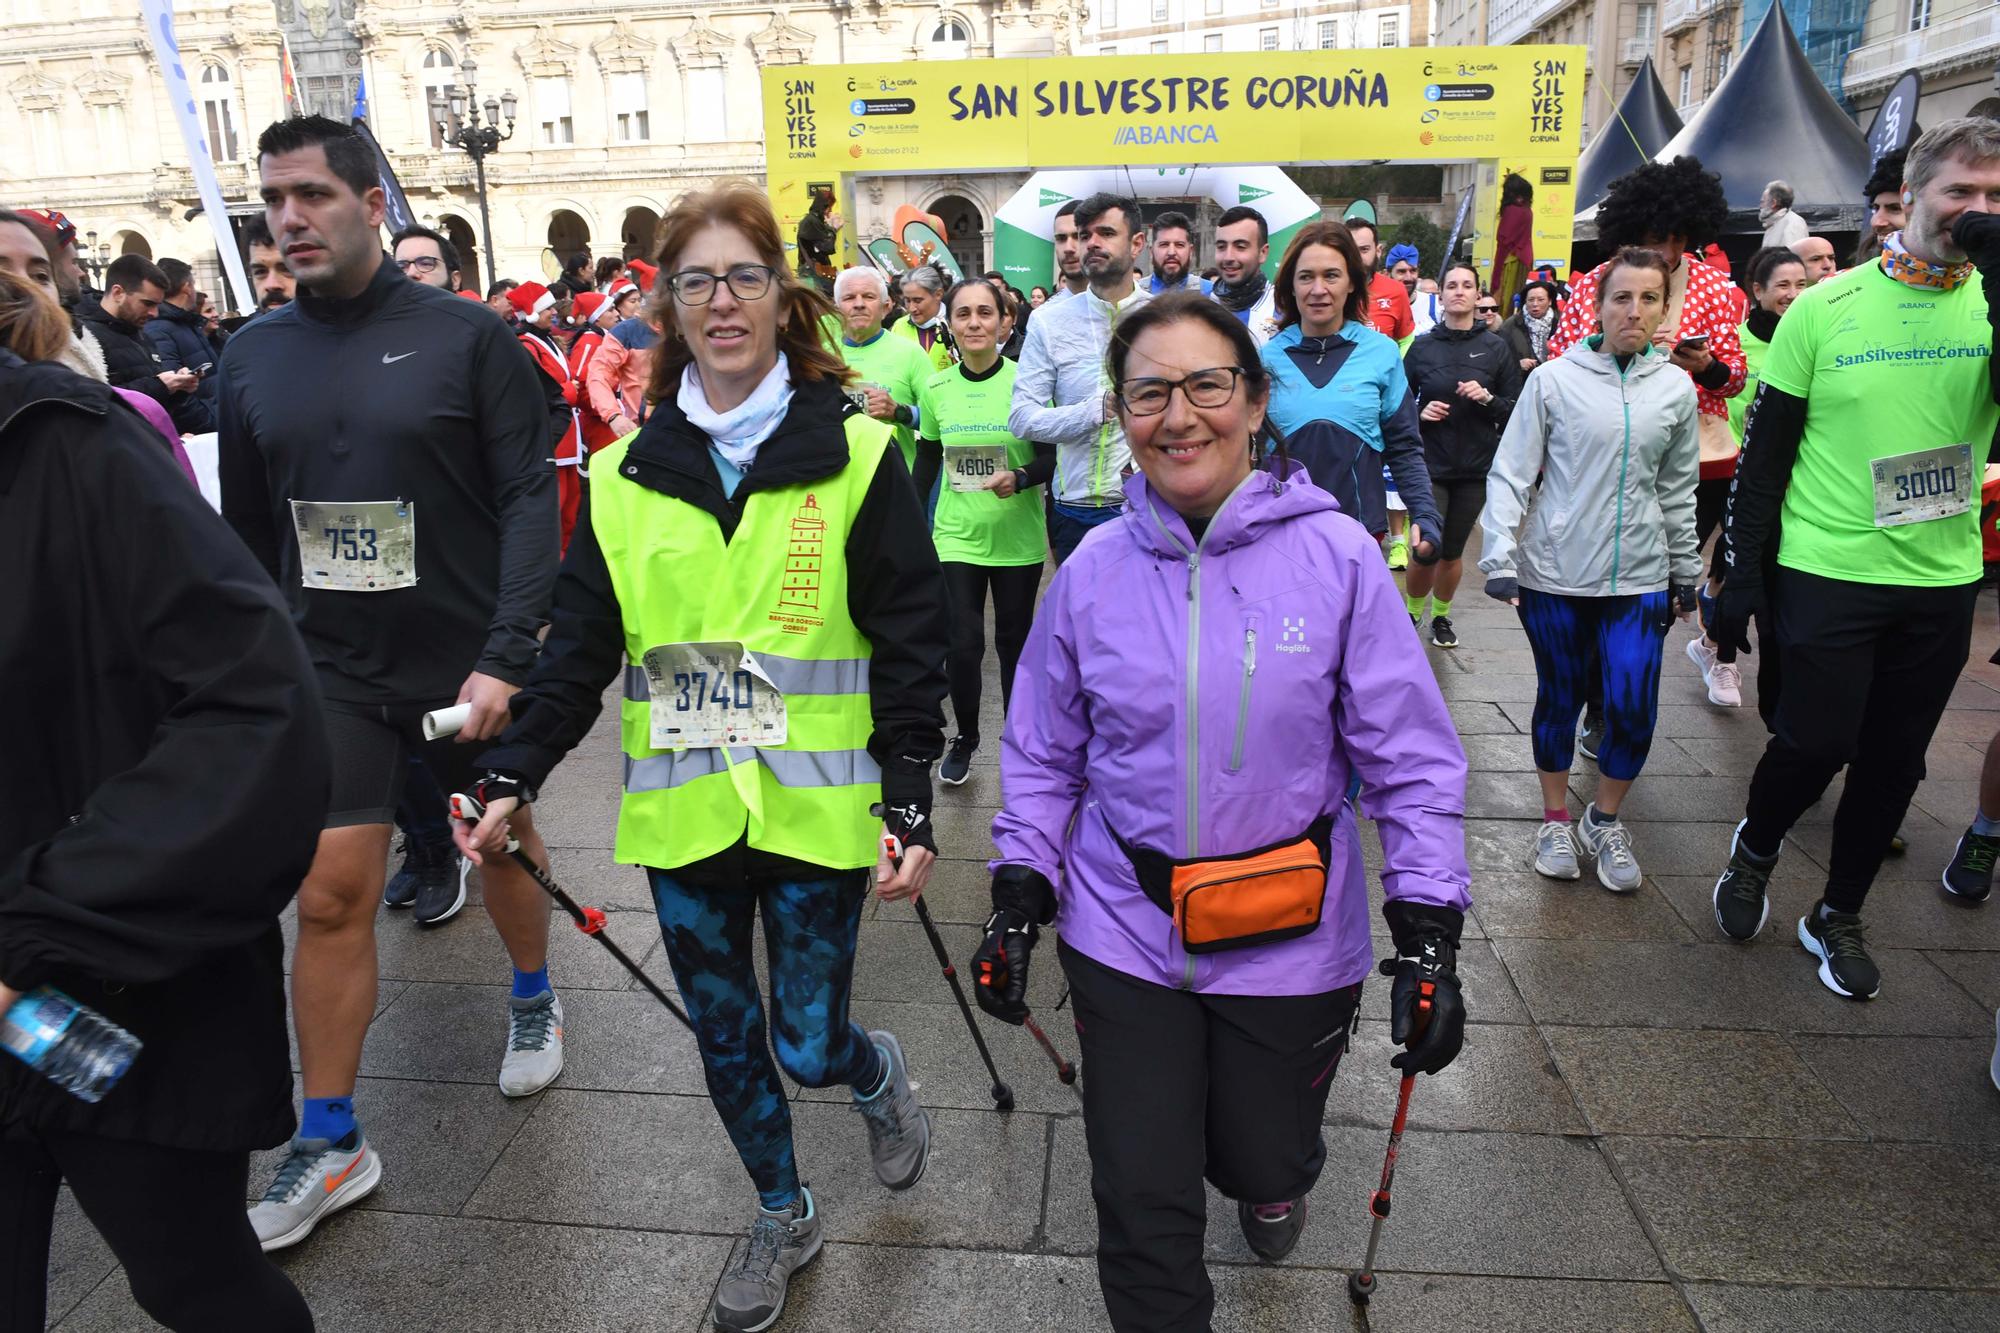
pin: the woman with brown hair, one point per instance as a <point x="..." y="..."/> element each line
<point x="757" y="553"/>
<point x="1338" y="392"/>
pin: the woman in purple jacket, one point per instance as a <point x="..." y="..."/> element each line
<point x="1209" y="671"/>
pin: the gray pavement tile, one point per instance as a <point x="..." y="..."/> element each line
<point x="1693" y="800"/>
<point x="1506" y="1204"/>
<point x="895" y="961"/>
<point x="1761" y="1210"/>
<point x="1490" y="996"/>
<point x="1501" y="796"/>
<point x="1977" y="973"/>
<point x="436" y="1141"/>
<point x="1951" y="801"/>
<point x="1616" y="983"/>
<point x="1731" y="758"/>
<point x="1481" y="717"/>
<point x="576" y="810"/>
<point x="1720" y="1084"/>
<point x="966" y="832"/>
<point x="78" y="1258"/>
<point x="1974" y="695"/>
<point x="1931" y="844"/>
<point x="457" y="1034"/>
<point x="960" y="892"/>
<point x="1482" y="650"/>
<point x="623" y="1041"/>
<point x="946" y="1066"/>
<point x="1729" y="1309"/>
<point x="1972" y="726"/>
<point x="1502" y="1081"/>
<point x="1306" y="1301"/>
<point x="872" y="1288"/>
<point x="595" y="880"/>
<point x="1953" y="761"/>
<point x="1900" y="913"/>
<point x="1524" y="903"/>
<point x="369" y="1271"/>
<point x="1489" y="687"/>
<point x="1503" y="753"/>
<point x="1922" y="1089"/>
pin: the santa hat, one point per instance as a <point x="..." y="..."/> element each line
<point x="530" y="298"/>
<point x="642" y="272"/>
<point x="584" y="309"/>
<point x="620" y="289"/>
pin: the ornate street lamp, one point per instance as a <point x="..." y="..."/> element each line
<point x="458" y="117"/>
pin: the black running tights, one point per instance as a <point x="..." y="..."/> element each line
<point x="175" y="1218"/>
<point x="1014" y="589"/>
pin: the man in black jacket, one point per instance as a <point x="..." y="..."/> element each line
<point x="159" y="802"/>
<point x="178" y="336"/>
<point x="384" y="452"/>
<point x="134" y="288"/>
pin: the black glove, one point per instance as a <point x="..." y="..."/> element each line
<point x="910" y="822"/>
<point x="1503" y="590"/>
<point x="1978" y="234"/>
<point x="1428" y="551"/>
<point x="1741" y="599"/>
<point x="1023" y="902"/>
<point x="1684" y="599"/>
<point x="494" y="784"/>
<point x="1426" y="1008"/>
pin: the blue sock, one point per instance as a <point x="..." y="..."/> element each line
<point x="329" y="1118"/>
<point x="876" y="1083"/>
<point x="1984" y="827"/>
<point x="527" y="985"/>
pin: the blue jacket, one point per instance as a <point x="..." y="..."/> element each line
<point x="1345" y="410"/>
<point x="177" y="339"/>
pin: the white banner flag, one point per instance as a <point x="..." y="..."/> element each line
<point x="160" y="31"/>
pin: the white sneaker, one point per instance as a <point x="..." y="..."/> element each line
<point x="316" y="1180"/>
<point x="1724" y="681"/>
<point x="534" y="1045"/>
<point x="1555" y="851"/>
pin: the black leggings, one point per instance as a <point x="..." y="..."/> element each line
<point x="175" y="1218"/>
<point x="1178" y="1086"/>
<point x="1014" y="589"/>
<point x="1458" y="504"/>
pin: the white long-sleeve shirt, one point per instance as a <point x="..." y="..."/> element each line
<point x="1059" y="396"/>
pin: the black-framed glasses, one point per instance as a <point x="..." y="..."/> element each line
<point x="1487" y="309"/>
<point x="746" y="282"/>
<point x="1204" y="388"/>
<point x="422" y="264"/>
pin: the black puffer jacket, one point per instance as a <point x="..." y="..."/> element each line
<point x="129" y="358"/>
<point x="1461" y="447"/>
<point x="165" y="776"/>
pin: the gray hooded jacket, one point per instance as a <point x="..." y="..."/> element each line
<point x="1592" y="492"/>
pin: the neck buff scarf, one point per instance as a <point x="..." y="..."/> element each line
<point x="1244" y="294"/>
<point x="1539" y="331"/>
<point x="1911" y="271"/>
<point x="738" y="432"/>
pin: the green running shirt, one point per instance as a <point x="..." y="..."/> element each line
<point x="978" y="527"/>
<point x="1886" y="370"/>
<point x="898" y="366"/>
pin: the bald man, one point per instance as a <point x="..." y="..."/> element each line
<point x="1816" y="252"/>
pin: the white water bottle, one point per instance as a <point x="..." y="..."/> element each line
<point x="72" y="1045"/>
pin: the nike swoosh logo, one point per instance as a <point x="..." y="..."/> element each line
<point x="333" y="1182"/>
<point x="1477" y="355"/>
<point x="388" y="360"/>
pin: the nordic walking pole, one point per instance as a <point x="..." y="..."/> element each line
<point x="1003" y="1096"/>
<point x="589" y="920"/>
<point x="1361" y="1285"/>
<point x="1064" y="1069"/>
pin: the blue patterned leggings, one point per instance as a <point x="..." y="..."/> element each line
<point x="810" y="929"/>
<point x="1573" y="635"/>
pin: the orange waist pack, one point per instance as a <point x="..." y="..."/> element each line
<point x="1260" y="896"/>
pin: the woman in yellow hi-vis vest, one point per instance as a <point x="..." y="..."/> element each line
<point x="757" y="563"/>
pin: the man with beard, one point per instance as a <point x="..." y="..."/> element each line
<point x="1886" y="213"/>
<point x="1062" y="392"/>
<point x="1070" y="280"/>
<point x="1173" y="257"/>
<point x="1242" y="244"/>
<point x="270" y="277"/>
<point x="1388" y="303"/>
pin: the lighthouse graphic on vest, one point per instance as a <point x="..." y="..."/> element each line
<point x="804" y="550"/>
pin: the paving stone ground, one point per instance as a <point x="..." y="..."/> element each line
<point x="1651" y="1128"/>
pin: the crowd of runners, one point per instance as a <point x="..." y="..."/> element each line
<point x="767" y="519"/>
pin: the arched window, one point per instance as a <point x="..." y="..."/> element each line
<point x="951" y="28"/>
<point x="218" y="112"/>
<point x="440" y="75"/>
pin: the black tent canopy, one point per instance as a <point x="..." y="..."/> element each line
<point x="1772" y="119"/>
<point x="1643" y="124"/>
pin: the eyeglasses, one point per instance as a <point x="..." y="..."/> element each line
<point x="746" y="282"/>
<point x="1204" y="388"/>
<point x="422" y="264"/>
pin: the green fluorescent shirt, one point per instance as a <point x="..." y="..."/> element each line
<point x="898" y="366"/>
<point x="978" y="527"/>
<point x="1886" y="369"/>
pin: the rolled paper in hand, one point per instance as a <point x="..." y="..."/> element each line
<point x="446" y="721"/>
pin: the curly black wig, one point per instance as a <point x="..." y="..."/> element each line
<point x="1662" y="199"/>
<point x="1887" y="176"/>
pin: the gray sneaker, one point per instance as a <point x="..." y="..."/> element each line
<point x="534" y="1044"/>
<point x="899" y="1130"/>
<point x="751" y="1295"/>
<point x="1611" y="845"/>
<point x="316" y="1180"/>
<point x="1555" y="851"/>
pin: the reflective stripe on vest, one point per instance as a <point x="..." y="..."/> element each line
<point x="779" y="587"/>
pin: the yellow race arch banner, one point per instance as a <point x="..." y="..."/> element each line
<point x="1515" y="108"/>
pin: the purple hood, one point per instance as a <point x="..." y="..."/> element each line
<point x="1210" y="700"/>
